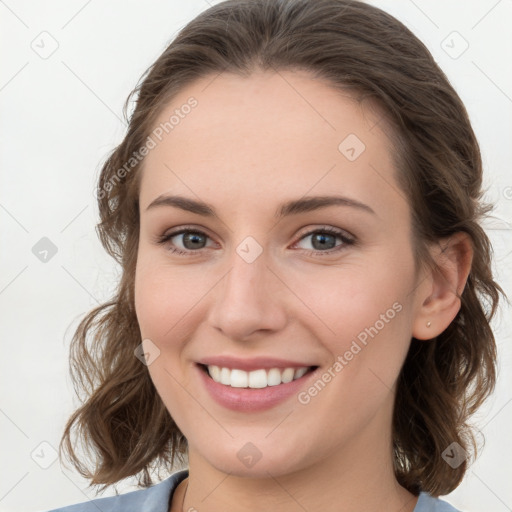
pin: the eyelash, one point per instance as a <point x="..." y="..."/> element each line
<point x="161" y="240"/>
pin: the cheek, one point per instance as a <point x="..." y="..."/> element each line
<point x="164" y="303"/>
<point x="363" y="316"/>
<point x="170" y="303"/>
<point x="166" y="299"/>
<point x="345" y="302"/>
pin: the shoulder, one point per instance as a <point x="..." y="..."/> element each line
<point x="153" y="499"/>
<point x="427" y="503"/>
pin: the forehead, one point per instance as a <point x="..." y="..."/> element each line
<point x="266" y="133"/>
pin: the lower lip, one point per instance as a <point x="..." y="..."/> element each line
<point x="252" y="399"/>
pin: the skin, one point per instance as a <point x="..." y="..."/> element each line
<point x="250" y="145"/>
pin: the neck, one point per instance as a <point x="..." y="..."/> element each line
<point x="357" y="476"/>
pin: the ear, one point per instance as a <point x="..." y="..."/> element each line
<point x="439" y="299"/>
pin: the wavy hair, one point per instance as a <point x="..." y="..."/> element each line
<point x="122" y="422"/>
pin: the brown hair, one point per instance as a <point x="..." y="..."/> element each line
<point x="352" y="46"/>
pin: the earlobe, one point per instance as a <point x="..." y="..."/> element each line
<point x="440" y="303"/>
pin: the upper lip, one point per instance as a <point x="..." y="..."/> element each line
<point x="253" y="363"/>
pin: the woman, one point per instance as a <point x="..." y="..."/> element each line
<point x="301" y="314"/>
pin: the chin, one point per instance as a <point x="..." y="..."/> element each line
<point x="255" y="459"/>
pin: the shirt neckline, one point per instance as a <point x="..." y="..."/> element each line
<point x="423" y="499"/>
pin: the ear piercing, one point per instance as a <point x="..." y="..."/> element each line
<point x="428" y="324"/>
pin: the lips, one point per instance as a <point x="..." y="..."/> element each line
<point x="246" y="385"/>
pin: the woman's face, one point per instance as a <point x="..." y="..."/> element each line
<point x="257" y="283"/>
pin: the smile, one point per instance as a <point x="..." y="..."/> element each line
<point x="253" y="384"/>
<point x="256" y="379"/>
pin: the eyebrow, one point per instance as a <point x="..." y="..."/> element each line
<point x="294" y="207"/>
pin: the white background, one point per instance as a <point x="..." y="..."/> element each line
<point x="61" y="116"/>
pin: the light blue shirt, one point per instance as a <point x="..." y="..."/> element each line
<point x="158" y="499"/>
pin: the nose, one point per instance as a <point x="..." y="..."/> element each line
<point x="248" y="300"/>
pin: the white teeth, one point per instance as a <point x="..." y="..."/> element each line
<point x="273" y="377"/>
<point x="257" y="378"/>
<point x="225" y="376"/>
<point x="239" y="379"/>
<point x="287" y="375"/>
<point x="215" y="373"/>
<point x="299" y="373"/>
